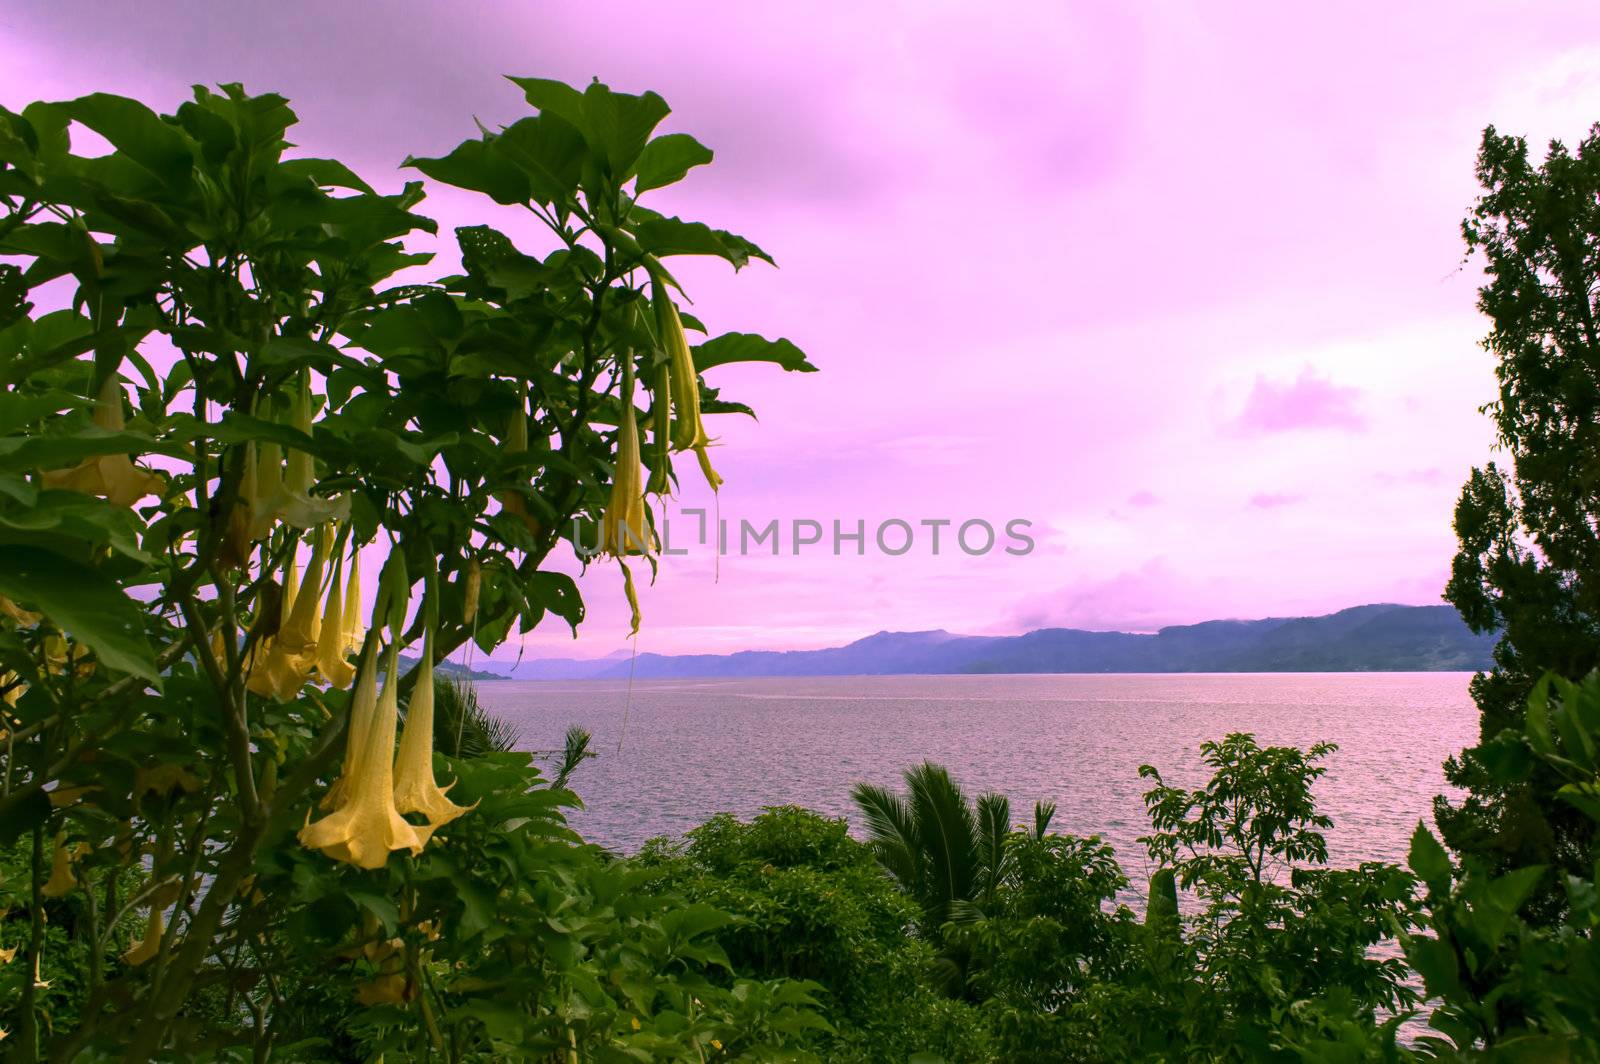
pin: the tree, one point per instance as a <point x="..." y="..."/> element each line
<point x="1529" y="558"/>
<point x="233" y="404"/>
<point x="945" y="851"/>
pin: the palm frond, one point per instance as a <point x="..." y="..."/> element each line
<point x="574" y="752"/>
<point x="892" y="833"/>
<point x="947" y="830"/>
<point x="462" y="726"/>
<point x="994" y="825"/>
<point x="1043" y="813"/>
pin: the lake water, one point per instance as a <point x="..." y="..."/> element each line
<point x="695" y="748"/>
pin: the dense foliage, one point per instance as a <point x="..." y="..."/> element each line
<point x="1529" y="558"/>
<point x="230" y="385"/>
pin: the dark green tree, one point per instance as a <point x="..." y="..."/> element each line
<point x="1529" y="558"/>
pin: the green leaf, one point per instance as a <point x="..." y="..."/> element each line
<point x="663" y="236"/>
<point x="558" y="593"/>
<point x="556" y="97"/>
<point x="137" y="132"/>
<point x="24" y="816"/>
<point x="618" y="125"/>
<point x="548" y="152"/>
<point x="88" y="606"/>
<point x="667" y="159"/>
<point x="1429" y="861"/>
<point x="20" y="454"/>
<point x="476" y="165"/>
<point x="329" y="173"/>
<point x="57" y="516"/>
<point x="748" y="347"/>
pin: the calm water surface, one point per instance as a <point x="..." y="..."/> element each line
<point x="695" y="748"/>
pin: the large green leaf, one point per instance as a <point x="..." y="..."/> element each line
<point x="476" y="165"/>
<point x="137" y="132"/>
<point x="663" y="236"/>
<point x="54" y="516"/>
<point x="548" y="152"/>
<point x="666" y="159"/>
<point x="748" y="347"/>
<point x="87" y="606"/>
<point x="19" y="454"/>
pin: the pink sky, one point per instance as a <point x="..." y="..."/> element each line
<point x="1181" y="284"/>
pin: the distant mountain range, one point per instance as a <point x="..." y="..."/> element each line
<point x="1375" y="638"/>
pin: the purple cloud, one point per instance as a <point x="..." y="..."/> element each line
<point x="1272" y="500"/>
<point x="1309" y="402"/>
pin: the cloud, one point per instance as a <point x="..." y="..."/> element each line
<point x="1309" y="402"/>
<point x="1271" y="500"/>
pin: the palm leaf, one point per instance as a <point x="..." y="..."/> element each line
<point x="892" y="834"/>
<point x="462" y="727"/>
<point x="1043" y="813"/>
<point x="994" y="825"/>
<point x="574" y="753"/>
<point x="947" y="831"/>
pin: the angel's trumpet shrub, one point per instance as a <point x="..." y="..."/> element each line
<point x="415" y="790"/>
<point x="688" y="431"/>
<point x="367" y="827"/>
<point x="111" y="475"/>
<point x="145" y="949"/>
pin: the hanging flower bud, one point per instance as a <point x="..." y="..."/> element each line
<point x="291" y="500"/>
<point x="473" y="582"/>
<point x="415" y="790"/>
<point x="111" y="475"/>
<point x="61" y="878"/>
<point x="624" y="528"/>
<point x="332" y="665"/>
<point x="512" y="502"/>
<point x="688" y="432"/>
<point x="661" y="428"/>
<point x="367" y="827"/>
<point x="236" y="542"/>
<point x="354" y="634"/>
<point x="145" y="949"/>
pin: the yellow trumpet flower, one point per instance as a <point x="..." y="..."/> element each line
<point x="415" y="790"/>
<point x="284" y="492"/>
<point x="363" y="707"/>
<point x="688" y="431"/>
<point x="353" y="632"/>
<point x="145" y="949"/>
<point x="111" y="475"/>
<point x="332" y="665"/>
<point x="624" y="528"/>
<point x="284" y="662"/>
<point x="367" y="827"/>
<point x="517" y="443"/>
<point x="61" y="879"/>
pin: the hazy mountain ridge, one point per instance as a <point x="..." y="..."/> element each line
<point x="1374" y="638"/>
